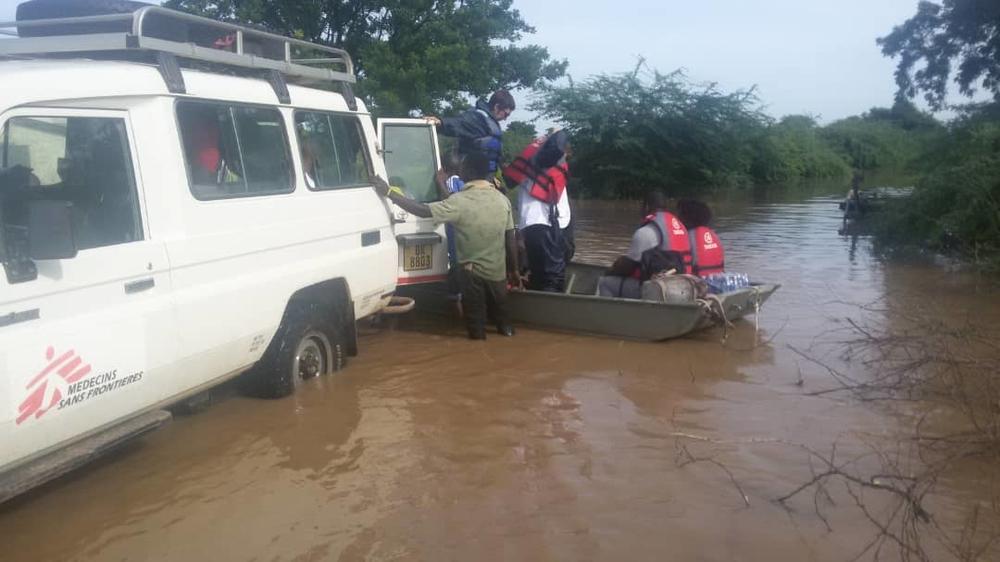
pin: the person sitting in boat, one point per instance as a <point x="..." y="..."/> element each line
<point x="661" y="243"/>
<point x="707" y="254"/>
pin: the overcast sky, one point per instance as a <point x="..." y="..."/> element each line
<point x="805" y="56"/>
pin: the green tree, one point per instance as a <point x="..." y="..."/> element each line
<point x="905" y="115"/>
<point x="794" y="148"/>
<point x="638" y="131"/>
<point x="892" y="138"/>
<point x="955" y="206"/>
<point x="424" y="55"/>
<point x="518" y="135"/>
<point x="966" y="32"/>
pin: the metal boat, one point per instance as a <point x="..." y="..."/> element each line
<point x="579" y="309"/>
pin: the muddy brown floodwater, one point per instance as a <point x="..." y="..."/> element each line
<point x="544" y="446"/>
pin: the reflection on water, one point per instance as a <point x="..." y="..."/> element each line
<point x="539" y="447"/>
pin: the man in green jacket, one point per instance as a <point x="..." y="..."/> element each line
<point x="484" y="240"/>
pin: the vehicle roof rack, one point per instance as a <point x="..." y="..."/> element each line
<point x="168" y="35"/>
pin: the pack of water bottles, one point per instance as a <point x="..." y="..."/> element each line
<point x="719" y="283"/>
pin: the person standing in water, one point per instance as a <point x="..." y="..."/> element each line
<point x="449" y="182"/>
<point x="484" y="240"/>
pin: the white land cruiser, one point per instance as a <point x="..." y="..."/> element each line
<point x="182" y="200"/>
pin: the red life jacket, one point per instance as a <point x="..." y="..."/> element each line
<point x="673" y="237"/>
<point x="548" y="184"/>
<point x="707" y="255"/>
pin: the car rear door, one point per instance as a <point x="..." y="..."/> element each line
<point x="411" y="155"/>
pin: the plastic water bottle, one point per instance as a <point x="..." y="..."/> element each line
<point x="716" y="283"/>
<point x="719" y="283"/>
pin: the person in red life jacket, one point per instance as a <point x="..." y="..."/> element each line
<point x="544" y="214"/>
<point x="205" y="147"/>
<point x="660" y="243"/>
<point x="707" y="254"/>
<point x="478" y="130"/>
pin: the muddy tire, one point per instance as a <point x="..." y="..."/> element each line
<point x="307" y="345"/>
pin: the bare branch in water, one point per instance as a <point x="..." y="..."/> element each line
<point x="691" y="459"/>
<point x="950" y="372"/>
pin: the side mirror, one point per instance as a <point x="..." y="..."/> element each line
<point x="51" y="235"/>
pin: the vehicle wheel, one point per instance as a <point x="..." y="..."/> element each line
<point x="303" y="349"/>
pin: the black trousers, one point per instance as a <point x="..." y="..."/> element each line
<point x="482" y="300"/>
<point x="569" y="241"/>
<point x="546" y="257"/>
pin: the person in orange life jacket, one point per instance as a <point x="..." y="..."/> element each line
<point x="484" y="240"/>
<point x="478" y="130"/>
<point x="707" y="254"/>
<point x="544" y="211"/>
<point x="661" y="231"/>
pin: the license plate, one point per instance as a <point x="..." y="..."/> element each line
<point x="418" y="257"/>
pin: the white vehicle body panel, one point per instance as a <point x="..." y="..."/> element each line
<point x="215" y="276"/>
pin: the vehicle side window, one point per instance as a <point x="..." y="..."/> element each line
<point x="234" y="151"/>
<point x="82" y="160"/>
<point x="333" y="150"/>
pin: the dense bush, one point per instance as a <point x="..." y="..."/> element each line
<point x="792" y="149"/>
<point x="883" y="138"/>
<point x="634" y="132"/>
<point x="956" y="205"/>
<point x="638" y="131"/>
<point x="516" y="136"/>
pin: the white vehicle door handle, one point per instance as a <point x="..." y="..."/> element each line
<point x="371" y="238"/>
<point x="139" y="286"/>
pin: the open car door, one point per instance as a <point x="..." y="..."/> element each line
<point x="411" y="155"/>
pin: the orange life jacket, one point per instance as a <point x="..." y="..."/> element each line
<point x="548" y="185"/>
<point x="707" y="255"/>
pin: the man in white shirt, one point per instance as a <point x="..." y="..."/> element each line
<point x="541" y="226"/>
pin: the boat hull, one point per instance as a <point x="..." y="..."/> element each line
<point x="579" y="310"/>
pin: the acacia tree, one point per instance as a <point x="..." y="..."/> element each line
<point x="518" y="135"/>
<point x="411" y="54"/>
<point x="966" y="32"/>
<point x="645" y="130"/>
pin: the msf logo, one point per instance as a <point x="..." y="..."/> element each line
<point x="51" y="383"/>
